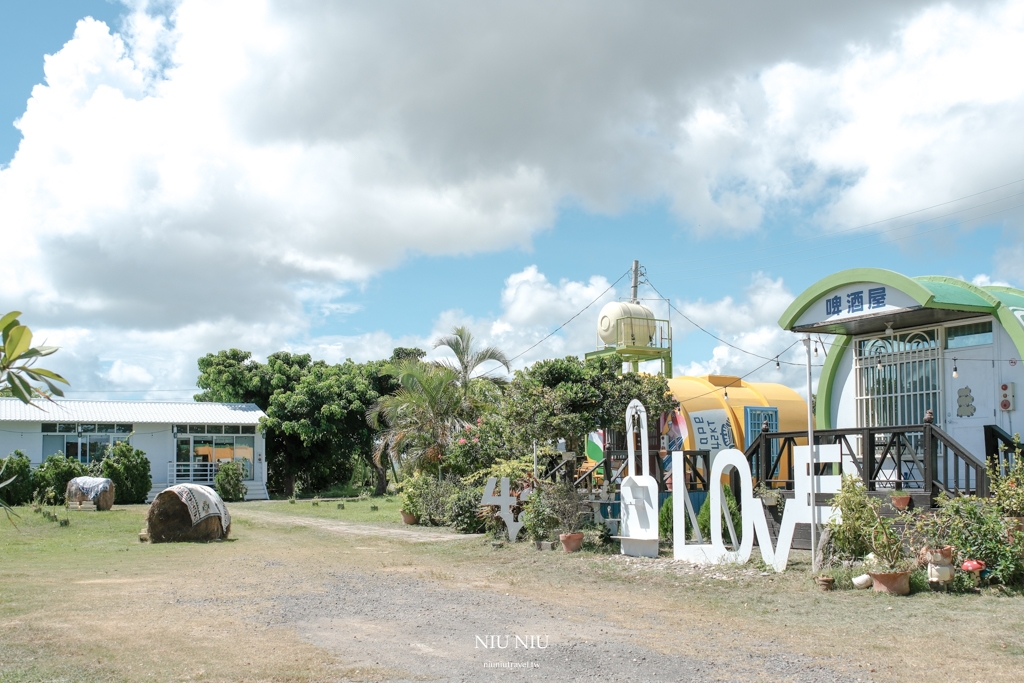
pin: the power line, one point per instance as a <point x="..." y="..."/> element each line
<point x="738" y="379"/>
<point x="578" y="314"/>
<point x="717" y="338"/>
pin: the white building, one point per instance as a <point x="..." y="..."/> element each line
<point x="185" y="442"/>
<point x="903" y="346"/>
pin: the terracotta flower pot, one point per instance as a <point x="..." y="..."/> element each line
<point x="901" y="502"/>
<point x="571" y="542"/>
<point x="825" y="583"/>
<point x="894" y="583"/>
<point x="939" y="555"/>
<point x="409" y="518"/>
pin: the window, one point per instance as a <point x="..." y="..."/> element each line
<point x="50" y="427"/>
<point x="975" y="334"/>
<point x="197" y="429"/>
<point x="124" y="429"/>
<point x="53" y="444"/>
<point x="243" y="454"/>
<point x="231" y="429"/>
<point x="87" y="429"/>
<point x="214" y="429"/>
<point x="249" y="430"/>
<point x="105" y="429"/>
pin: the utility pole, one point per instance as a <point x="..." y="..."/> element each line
<point x="633" y="292"/>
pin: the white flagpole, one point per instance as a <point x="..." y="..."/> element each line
<point x="813" y="450"/>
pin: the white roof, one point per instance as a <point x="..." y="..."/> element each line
<point x="130" y="412"/>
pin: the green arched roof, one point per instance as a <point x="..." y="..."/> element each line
<point x="945" y="293"/>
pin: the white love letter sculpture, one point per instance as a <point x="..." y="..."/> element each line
<point x="504" y="502"/>
<point x="639" y="493"/>
<point x="799" y="509"/>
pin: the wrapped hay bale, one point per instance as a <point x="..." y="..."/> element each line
<point x="187" y="512"/>
<point x="98" y="490"/>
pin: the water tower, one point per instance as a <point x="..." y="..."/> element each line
<point x="629" y="329"/>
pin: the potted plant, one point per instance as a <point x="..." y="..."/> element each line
<point x="409" y="512"/>
<point x="892" y="566"/>
<point x="566" y="505"/>
<point x="539" y="521"/>
<point x="900" y="499"/>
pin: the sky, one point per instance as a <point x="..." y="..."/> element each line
<point x="341" y="178"/>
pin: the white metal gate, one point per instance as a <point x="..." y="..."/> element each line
<point x="899" y="377"/>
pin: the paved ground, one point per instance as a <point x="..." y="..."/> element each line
<point x="390" y="627"/>
<point x="404" y="629"/>
<point x="412" y="534"/>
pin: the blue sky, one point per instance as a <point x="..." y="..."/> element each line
<point x="195" y="177"/>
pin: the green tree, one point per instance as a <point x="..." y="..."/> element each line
<point x="233" y="376"/>
<point x="419" y="421"/>
<point x="128" y="468"/>
<point x="553" y="399"/>
<point x="316" y="413"/>
<point x="468" y="359"/>
<point x="326" y="412"/>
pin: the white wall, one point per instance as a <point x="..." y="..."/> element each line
<point x="24" y="436"/>
<point x="1005" y="351"/>
<point x="157" y="441"/>
<point x="844" y="393"/>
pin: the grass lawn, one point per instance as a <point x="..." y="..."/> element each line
<point x="355" y="510"/>
<point x="90" y="602"/>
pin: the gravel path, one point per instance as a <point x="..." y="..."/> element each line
<point x="398" y="628"/>
<point x="412" y="534"/>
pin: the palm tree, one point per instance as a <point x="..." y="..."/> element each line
<point x="419" y="421"/>
<point x="468" y="359"/>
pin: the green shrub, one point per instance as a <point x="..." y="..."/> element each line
<point x="851" y="536"/>
<point x="665" y="520"/>
<point x="538" y="519"/>
<point x="463" y="510"/>
<point x="704" y="517"/>
<point x="128" y="468"/>
<point x="566" y="504"/>
<point x="597" y="538"/>
<point x="976" y="529"/>
<point x="1007" y="487"/>
<point x="427" y="498"/>
<point x="19" y="491"/>
<point x="54" y="475"/>
<point x="229" y="482"/>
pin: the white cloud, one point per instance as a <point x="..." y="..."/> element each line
<point x="125" y="374"/>
<point x="983" y="280"/>
<point x="531" y="307"/>
<point x="752" y="325"/>
<point x="201" y="173"/>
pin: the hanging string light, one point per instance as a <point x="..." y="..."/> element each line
<point x="878" y="365"/>
<point x="777" y="366"/>
<point x="955" y="373"/>
<point x="727" y="393"/>
<point x="815" y="349"/>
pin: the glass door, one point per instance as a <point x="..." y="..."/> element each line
<point x="202" y="459"/>
<point x="183" y="460"/>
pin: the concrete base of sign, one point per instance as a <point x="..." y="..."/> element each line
<point x="638" y="547"/>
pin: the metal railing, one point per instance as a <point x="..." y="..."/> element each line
<point x="195" y="472"/>
<point x="920" y="459"/>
